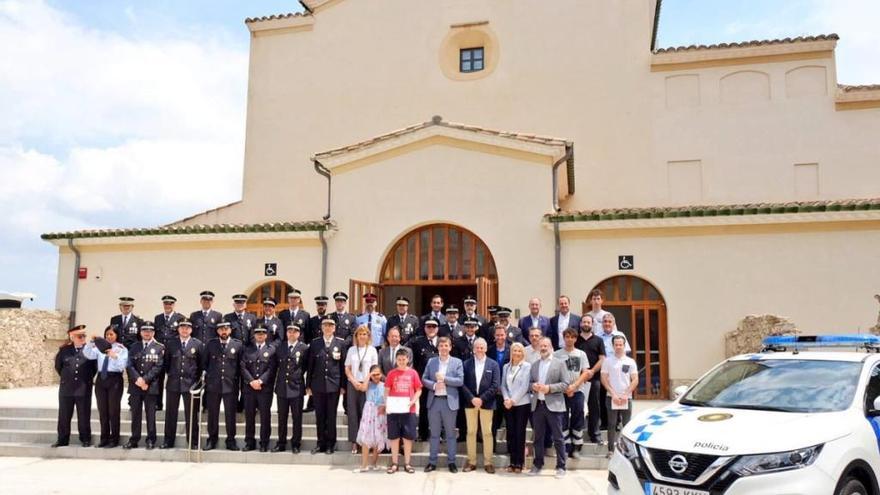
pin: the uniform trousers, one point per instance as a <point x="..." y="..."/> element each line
<point x="355" y="400"/>
<point x="473" y="416"/>
<point x="108" y="395"/>
<point x="440" y="416"/>
<point x="325" y="418"/>
<point x="172" y="403"/>
<point x="573" y="422"/>
<point x="141" y="403"/>
<point x="547" y="423"/>
<point x="83" y="406"/>
<point x="593" y="411"/>
<point x="293" y="407"/>
<point x="262" y="403"/>
<point x="230" y="401"/>
<point x="517" y="418"/>
<point x="159" y="398"/>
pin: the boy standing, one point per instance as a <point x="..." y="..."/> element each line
<point x="402" y="390"/>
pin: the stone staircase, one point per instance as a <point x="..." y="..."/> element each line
<point x="29" y="431"/>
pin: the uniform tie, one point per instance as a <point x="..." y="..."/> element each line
<point x="105" y="367"/>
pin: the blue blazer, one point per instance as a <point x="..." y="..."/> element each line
<point x="454" y="380"/>
<point x="490" y="383"/>
<point x="526" y="322"/>
<point x="574" y="321"/>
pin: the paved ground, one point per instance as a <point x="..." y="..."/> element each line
<point x="26" y="475"/>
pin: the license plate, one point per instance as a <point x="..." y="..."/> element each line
<point x="655" y="489"/>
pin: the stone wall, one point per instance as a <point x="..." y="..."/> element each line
<point x="752" y="329"/>
<point x="29" y="339"/>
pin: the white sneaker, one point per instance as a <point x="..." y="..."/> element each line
<point x="560" y="473"/>
<point x="534" y="471"/>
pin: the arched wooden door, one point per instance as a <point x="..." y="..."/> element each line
<point x="640" y="312"/>
<point x="276" y="289"/>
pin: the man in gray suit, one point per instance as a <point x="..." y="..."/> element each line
<point x="549" y="379"/>
<point x="387" y="355"/>
<point x="443" y="376"/>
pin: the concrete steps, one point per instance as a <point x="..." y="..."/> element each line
<point x="28" y="432"/>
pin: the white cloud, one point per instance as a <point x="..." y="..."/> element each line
<point x="858" y="51"/>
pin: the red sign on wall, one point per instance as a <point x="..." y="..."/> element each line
<point x="83" y="273"/>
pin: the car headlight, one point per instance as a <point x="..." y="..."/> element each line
<point x="627" y="448"/>
<point x="774" y="463"/>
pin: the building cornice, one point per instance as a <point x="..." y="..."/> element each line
<point x="747" y="52"/>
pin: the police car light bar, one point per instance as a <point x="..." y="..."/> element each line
<point x="807" y="341"/>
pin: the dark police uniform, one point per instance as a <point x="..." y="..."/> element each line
<point x="166" y="329"/>
<point x="424" y="349"/>
<point x="221" y="383"/>
<point x="205" y="324"/>
<point x="290" y="388"/>
<point x="258" y="363"/>
<point x="183" y="368"/>
<point x="313" y="329"/>
<point x="274" y="330"/>
<point x="408" y="325"/>
<point x="325" y="378"/>
<point x="145" y="360"/>
<point x="128" y="329"/>
<point x="462" y="347"/>
<point x="241" y="324"/>
<point x="77" y="373"/>
<point x="298" y="317"/>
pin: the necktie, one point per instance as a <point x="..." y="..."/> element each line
<point x="124" y="321"/>
<point x="290" y="349"/>
<point x="167" y="320"/>
<point x="105" y="367"/>
<point x="223" y="346"/>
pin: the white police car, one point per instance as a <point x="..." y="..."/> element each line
<point x="775" y="423"/>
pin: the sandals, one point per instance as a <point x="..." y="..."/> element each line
<point x="392" y="469"/>
<point x="409" y="469"/>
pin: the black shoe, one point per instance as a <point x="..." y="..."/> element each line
<point x="430" y="467"/>
<point x="248" y="448"/>
<point x="112" y="444"/>
<point x="151" y="445"/>
<point x="294" y="450"/>
<point x="158" y="407"/>
<point x="279" y="447"/>
<point x="58" y="444"/>
<point x="210" y="445"/>
<point x="102" y="444"/>
<point x="166" y="446"/>
<point x="453" y="468"/>
<point x="309" y="409"/>
<point x="232" y="446"/>
<point x="87" y="443"/>
<point x="130" y="445"/>
<point x="264" y="448"/>
<point x="317" y="450"/>
<point x="330" y="451"/>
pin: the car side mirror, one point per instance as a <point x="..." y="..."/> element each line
<point x="681" y="390"/>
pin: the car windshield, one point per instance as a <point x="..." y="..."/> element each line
<point x="787" y="385"/>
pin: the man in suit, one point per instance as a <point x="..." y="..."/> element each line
<point x="127" y="322"/>
<point x="292" y="358"/>
<point x="222" y="359"/>
<point x="325" y="380"/>
<point x="470" y="310"/>
<point x="258" y="375"/>
<point x="436" y="313"/>
<point x="534" y="319"/>
<point x="452" y="328"/>
<point x="206" y="319"/>
<point x="166" y="329"/>
<point x="270" y="322"/>
<point x="513" y="333"/>
<point x="77" y="372"/>
<point x="345" y="321"/>
<point x="388" y="354"/>
<point x="424" y="348"/>
<point x="482" y="380"/>
<point x="240" y="321"/>
<point x="146" y="360"/>
<point x="443" y="377"/>
<point x="294" y="313"/>
<point x="564" y="319"/>
<point x="184" y="358"/>
<point x="407" y="324"/>
<point x="549" y="379"/>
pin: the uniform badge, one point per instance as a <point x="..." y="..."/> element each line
<point x="346" y="321"/>
<point x="265" y="354"/>
<point x="299" y="321"/>
<point x="460" y="333"/>
<point x="232" y="351"/>
<point x="510" y="335"/>
<point x="212" y="321"/>
<point x="152" y="351"/>
<point x="248" y="323"/>
<point x="274" y="327"/>
<point x="192" y="351"/>
<point x="174" y="324"/>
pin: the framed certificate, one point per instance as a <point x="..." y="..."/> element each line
<point x="397" y="405"/>
<point x="616" y="406"/>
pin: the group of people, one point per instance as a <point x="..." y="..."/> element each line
<point x="449" y="374"/>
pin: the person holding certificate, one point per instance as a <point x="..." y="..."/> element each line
<point x="402" y="390"/>
<point x="620" y="376"/>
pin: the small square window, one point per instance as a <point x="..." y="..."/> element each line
<point x="471" y="59"/>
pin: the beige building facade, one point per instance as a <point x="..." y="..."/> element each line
<point x="696" y="185"/>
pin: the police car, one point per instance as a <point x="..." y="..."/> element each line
<point x="792" y="419"/>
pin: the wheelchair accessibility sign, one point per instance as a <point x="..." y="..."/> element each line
<point x="626" y="262"/>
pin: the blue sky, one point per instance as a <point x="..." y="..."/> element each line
<point x="112" y="108"/>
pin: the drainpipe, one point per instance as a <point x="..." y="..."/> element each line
<point x="557" y="243"/>
<point x="73" y="294"/>
<point x="323" y="171"/>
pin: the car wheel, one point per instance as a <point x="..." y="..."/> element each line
<point x="852" y="486"/>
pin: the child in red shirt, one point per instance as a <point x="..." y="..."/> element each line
<point x="402" y="384"/>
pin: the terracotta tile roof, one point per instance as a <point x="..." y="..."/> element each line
<point x="438" y="121"/>
<point x="224" y="228"/>
<point x="714" y="210"/>
<point x="846" y="88"/>
<point x="746" y="44"/>
<point x="275" y="17"/>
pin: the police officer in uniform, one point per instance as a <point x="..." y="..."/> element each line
<point x="313" y="331"/>
<point x="487" y="331"/>
<point x="222" y="357"/>
<point x="205" y="320"/>
<point x="127" y="322"/>
<point x="407" y="323"/>
<point x="292" y="358"/>
<point x="470" y="310"/>
<point x="270" y="322"/>
<point x="145" y="362"/>
<point x="325" y="380"/>
<point x="463" y="345"/>
<point x="241" y="322"/>
<point x="166" y="329"/>
<point x="513" y="332"/>
<point x="184" y="361"/>
<point x="424" y="348"/>
<point x="452" y="328"/>
<point x="258" y="375"/>
<point x="77" y="372"/>
<point x="375" y="321"/>
<point x="345" y="321"/>
<point x="294" y="313"/>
